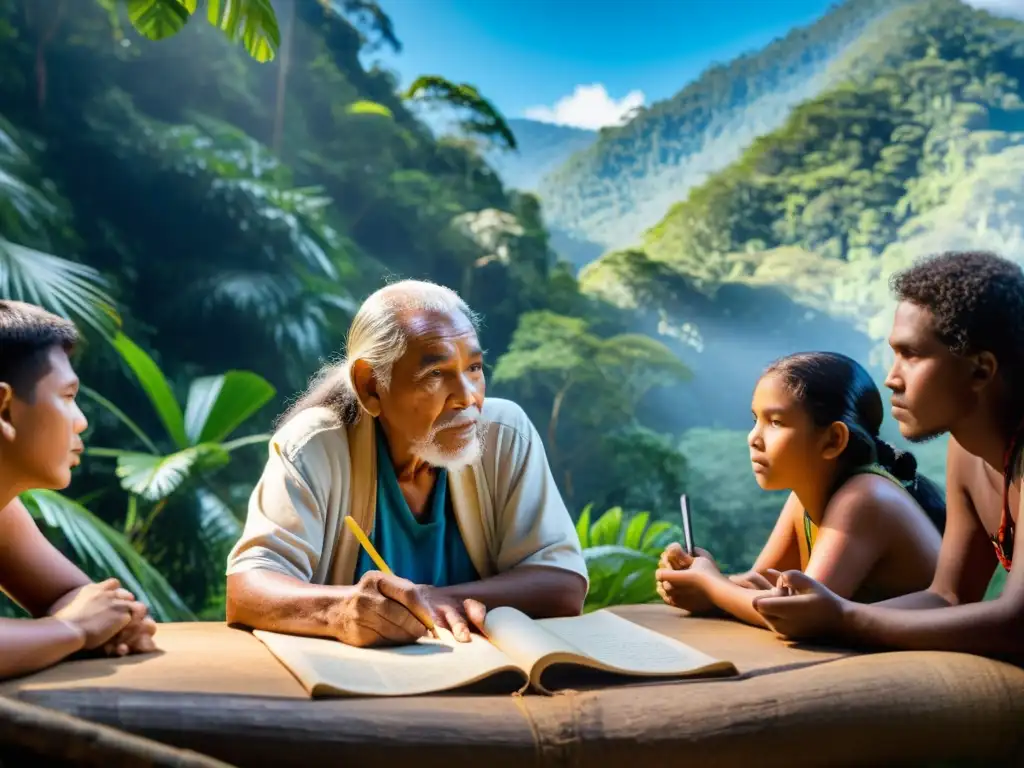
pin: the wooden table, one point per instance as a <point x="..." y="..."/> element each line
<point x="218" y="691"/>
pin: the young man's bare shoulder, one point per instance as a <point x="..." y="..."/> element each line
<point x="957" y="453"/>
<point x="965" y="468"/>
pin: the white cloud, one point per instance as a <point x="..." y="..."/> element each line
<point x="588" y="106"/>
<point x="1001" y="7"/>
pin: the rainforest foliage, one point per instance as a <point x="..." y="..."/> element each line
<point x="211" y="198"/>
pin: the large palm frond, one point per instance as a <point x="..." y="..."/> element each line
<point x="294" y="310"/>
<point x="217" y="523"/>
<point x="483" y="118"/>
<point x="251" y="22"/>
<point x="61" y="286"/>
<point x="33" y="275"/>
<point x="107" y="551"/>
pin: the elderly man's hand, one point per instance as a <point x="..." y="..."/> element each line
<point x="381" y="609"/>
<point x="457" y="616"/>
<point x="386" y="610"/>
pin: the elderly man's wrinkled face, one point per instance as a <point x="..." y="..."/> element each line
<point x="431" y="406"/>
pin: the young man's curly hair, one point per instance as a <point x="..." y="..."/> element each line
<point x="977" y="300"/>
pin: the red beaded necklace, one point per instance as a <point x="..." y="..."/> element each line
<point x="1003" y="540"/>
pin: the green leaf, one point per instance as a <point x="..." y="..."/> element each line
<point x="616" y="557"/>
<point x="131" y="517"/>
<point x="635" y="530"/>
<point x="658" y="536"/>
<point x="26" y="213"/>
<point x="29" y="202"/>
<point x="639" y="586"/>
<point x="61" y="286"/>
<point x="156" y="387"/>
<point x="583" y="527"/>
<point x="364" y="107"/>
<point x="369" y="16"/>
<point x="241" y="442"/>
<point x="607" y="528"/>
<point x="121" y="416"/>
<point x="218" y="405"/>
<point x="605" y="588"/>
<point x="619" y="575"/>
<point x="96" y="543"/>
<point x="484" y="120"/>
<point x="159" y="19"/>
<point x="157" y="477"/>
<point x="217" y="522"/>
<point x="251" y="21"/>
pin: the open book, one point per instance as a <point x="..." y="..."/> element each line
<point x="542" y="654"/>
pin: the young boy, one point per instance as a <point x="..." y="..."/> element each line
<point x="40" y="441"/>
<point x="958" y="339"/>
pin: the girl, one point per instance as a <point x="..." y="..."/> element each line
<point x="859" y="518"/>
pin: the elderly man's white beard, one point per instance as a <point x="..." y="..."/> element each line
<point x="429" y="451"/>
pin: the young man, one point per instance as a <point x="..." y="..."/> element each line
<point x="958" y="339"/>
<point x="40" y="441"/>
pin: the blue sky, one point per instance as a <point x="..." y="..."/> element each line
<point x="529" y="54"/>
<point x="586" y="62"/>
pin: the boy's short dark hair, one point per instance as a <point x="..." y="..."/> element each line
<point x="27" y="334"/>
<point x="977" y="301"/>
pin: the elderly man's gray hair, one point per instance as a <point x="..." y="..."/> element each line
<point x="377" y="337"/>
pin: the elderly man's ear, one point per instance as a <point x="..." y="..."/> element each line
<point x="366" y="387"/>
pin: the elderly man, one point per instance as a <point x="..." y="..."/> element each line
<point x="454" y="492"/>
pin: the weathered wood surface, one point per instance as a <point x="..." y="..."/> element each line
<point x="220" y="692"/>
<point x="33" y="735"/>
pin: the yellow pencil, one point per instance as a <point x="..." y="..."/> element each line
<point x="367" y="545"/>
<point x="378" y="560"/>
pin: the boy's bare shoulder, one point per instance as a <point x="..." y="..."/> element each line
<point x="13" y="517"/>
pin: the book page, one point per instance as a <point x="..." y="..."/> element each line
<point x="619" y="645"/>
<point x="523" y="639"/>
<point x="328" y="667"/>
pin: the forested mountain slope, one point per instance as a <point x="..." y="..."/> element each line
<point x="542" y="147"/>
<point x="612" y="192"/>
<point x="920" y="149"/>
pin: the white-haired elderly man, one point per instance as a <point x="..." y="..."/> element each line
<point x="455" y="492"/>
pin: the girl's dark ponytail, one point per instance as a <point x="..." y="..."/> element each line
<point x="903" y="466"/>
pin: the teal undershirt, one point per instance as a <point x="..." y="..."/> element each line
<point x="427" y="551"/>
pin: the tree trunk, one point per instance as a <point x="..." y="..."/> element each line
<point x="556" y="408"/>
<point x="143" y="530"/>
<point x="45" y="36"/>
<point x="467" y="282"/>
<point x="282" y="77"/>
